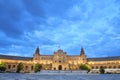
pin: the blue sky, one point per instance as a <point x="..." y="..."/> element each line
<point x="91" y="24"/>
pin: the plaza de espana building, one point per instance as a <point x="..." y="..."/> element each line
<point x="60" y="60"/>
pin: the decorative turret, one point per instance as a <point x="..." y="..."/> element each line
<point x="37" y="51"/>
<point x="83" y="56"/>
<point x="36" y="54"/>
<point x="82" y="52"/>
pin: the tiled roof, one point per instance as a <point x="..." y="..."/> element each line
<point x="73" y="55"/>
<point x="14" y="57"/>
<point x="104" y="58"/>
<point x="30" y="58"/>
<point x="46" y="55"/>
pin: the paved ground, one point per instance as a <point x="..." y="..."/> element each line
<point x="33" y="76"/>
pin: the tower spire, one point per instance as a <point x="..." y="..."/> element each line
<point x="82" y="51"/>
<point x="37" y="50"/>
<point x="36" y="54"/>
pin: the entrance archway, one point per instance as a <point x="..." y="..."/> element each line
<point x="60" y="67"/>
<point x="54" y="68"/>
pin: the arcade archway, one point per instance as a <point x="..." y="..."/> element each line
<point x="60" y="67"/>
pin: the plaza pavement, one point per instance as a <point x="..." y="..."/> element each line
<point x="38" y="76"/>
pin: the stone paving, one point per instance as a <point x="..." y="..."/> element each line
<point x="37" y="76"/>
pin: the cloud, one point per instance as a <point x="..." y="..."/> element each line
<point x="26" y="24"/>
<point x="17" y="19"/>
<point x="34" y="7"/>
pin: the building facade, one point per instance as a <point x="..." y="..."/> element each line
<point x="59" y="61"/>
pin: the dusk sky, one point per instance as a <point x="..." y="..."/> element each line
<point x="70" y="24"/>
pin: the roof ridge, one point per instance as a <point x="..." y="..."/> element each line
<point x="105" y="57"/>
<point x="14" y="56"/>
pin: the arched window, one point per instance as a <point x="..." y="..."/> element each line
<point x="101" y="66"/>
<point x="119" y="66"/>
<point x="54" y="68"/>
<point x="110" y="67"/>
<point x="13" y="66"/>
<point x="114" y="67"/>
<point x="31" y="67"/>
<point x="96" y="67"/>
<point x="9" y="66"/>
<point x="26" y="67"/>
<point x="65" y="68"/>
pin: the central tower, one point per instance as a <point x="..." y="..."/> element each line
<point x="60" y="60"/>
